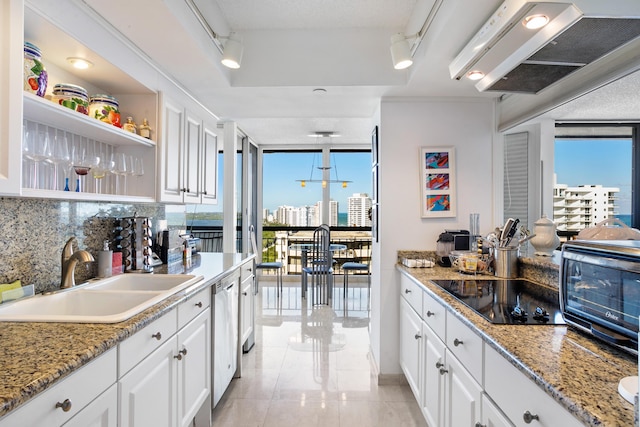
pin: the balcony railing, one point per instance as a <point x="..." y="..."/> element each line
<point x="277" y="242"/>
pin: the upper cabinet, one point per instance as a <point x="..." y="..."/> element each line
<point x="187" y="155"/>
<point x="54" y="149"/>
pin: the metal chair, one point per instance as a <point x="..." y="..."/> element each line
<point x="319" y="267"/>
<point x="354" y="267"/>
<point x="274" y="265"/>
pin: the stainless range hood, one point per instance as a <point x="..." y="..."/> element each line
<point x="513" y="58"/>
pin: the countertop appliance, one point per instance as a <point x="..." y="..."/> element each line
<point x="507" y="301"/>
<point x="224" y="353"/>
<point x="600" y="289"/>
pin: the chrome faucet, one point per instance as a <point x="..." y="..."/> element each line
<point x="69" y="261"/>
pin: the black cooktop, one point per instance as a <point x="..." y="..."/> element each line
<point x="507" y="301"/>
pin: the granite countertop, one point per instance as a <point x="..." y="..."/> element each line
<point x="578" y="371"/>
<point x="36" y="355"/>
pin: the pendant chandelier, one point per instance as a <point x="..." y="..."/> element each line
<point x="324" y="182"/>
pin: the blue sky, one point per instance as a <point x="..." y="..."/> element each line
<point x="597" y="161"/>
<point x="281" y="170"/>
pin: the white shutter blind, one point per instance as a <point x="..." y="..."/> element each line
<point x="516" y="176"/>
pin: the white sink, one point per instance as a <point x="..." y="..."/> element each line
<point x="109" y="300"/>
<point x="144" y="282"/>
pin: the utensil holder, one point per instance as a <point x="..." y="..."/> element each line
<point x="506" y="262"/>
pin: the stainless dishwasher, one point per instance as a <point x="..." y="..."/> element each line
<point x="224" y="352"/>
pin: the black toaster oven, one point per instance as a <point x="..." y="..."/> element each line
<point x="600" y="289"/>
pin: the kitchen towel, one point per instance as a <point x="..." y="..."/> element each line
<point x="9" y="287"/>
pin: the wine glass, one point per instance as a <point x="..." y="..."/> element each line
<point x="138" y="169"/>
<point x="60" y="156"/>
<point x="81" y="164"/>
<point x="36" y="149"/>
<point x="99" y="168"/>
<point x="120" y="169"/>
<point x="28" y="133"/>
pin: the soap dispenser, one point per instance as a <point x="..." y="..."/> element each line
<point x="545" y="240"/>
<point x="105" y="257"/>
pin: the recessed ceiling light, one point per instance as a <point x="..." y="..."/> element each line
<point x="80" y="63"/>
<point x="327" y="134"/>
<point x="475" y="75"/>
<point x="533" y="22"/>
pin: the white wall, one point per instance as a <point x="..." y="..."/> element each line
<point x="406" y="124"/>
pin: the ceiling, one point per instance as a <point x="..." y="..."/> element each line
<point x="292" y="47"/>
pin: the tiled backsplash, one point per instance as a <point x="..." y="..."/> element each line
<point x="34" y="231"/>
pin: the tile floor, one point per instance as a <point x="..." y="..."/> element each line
<point x="310" y="367"/>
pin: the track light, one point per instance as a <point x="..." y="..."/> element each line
<point x="232" y="54"/>
<point x="400" y="52"/>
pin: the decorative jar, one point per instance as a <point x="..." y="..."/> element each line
<point x="105" y="109"/>
<point x="34" y="75"/>
<point x="71" y="96"/>
<point x="545" y="240"/>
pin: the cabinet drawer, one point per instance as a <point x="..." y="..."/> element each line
<point x="507" y="386"/>
<point x="140" y="345"/>
<point x="80" y="388"/>
<point x="246" y="271"/>
<point x="466" y="345"/>
<point x="412" y="292"/>
<point x="195" y="305"/>
<point x="434" y="315"/>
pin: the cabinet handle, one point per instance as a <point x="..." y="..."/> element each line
<point x="528" y="417"/>
<point x="157" y="336"/>
<point x="418" y="336"/>
<point x="180" y="354"/>
<point x="407" y="291"/>
<point x="430" y="313"/>
<point x="439" y="364"/>
<point x="478" y="424"/>
<point x="443" y="371"/>
<point x="457" y="342"/>
<point x="198" y="304"/>
<point x="244" y="293"/>
<point x="66" y="405"/>
<point x="184" y="190"/>
<point x="204" y="192"/>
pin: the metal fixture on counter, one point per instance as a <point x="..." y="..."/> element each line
<point x="69" y="260"/>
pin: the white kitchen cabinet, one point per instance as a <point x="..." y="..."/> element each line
<point x="433" y="380"/>
<point x="148" y="393"/>
<point x="247" y="303"/>
<point x="194" y="367"/>
<point x="209" y="168"/>
<point x="11" y="59"/>
<point x="491" y="415"/>
<point x="507" y="386"/>
<point x="172" y="380"/>
<point x="70" y="397"/>
<point x="102" y="412"/>
<point x="410" y="343"/>
<point x="188" y="155"/>
<point x="463" y="395"/>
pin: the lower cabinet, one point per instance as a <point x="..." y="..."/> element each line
<point x="86" y="395"/>
<point x="434" y="364"/>
<point x="148" y="391"/>
<point x="457" y="379"/>
<point x="247" y="309"/>
<point x="491" y="415"/>
<point x="168" y="387"/>
<point x="507" y="385"/>
<point x="194" y="369"/>
<point x="102" y="412"/>
<point x="410" y="343"/>
<point x="462" y="402"/>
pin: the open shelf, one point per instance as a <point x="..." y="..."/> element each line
<point x="43" y="111"/>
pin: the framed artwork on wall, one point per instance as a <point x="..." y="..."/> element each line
<point x="437" y="182"/>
